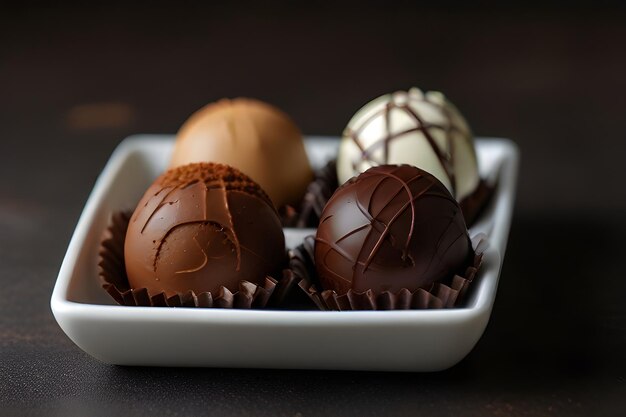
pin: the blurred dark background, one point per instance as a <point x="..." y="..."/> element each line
<point x="76" y="79"/>
<point x="552" y="77"/>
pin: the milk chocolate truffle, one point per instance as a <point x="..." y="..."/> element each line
<point x="199" y="227"/>
<point x="392" y="227"/>
<point x="424" y="130"/>
<point x="253" y="136"/>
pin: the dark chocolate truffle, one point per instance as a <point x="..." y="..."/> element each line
<point x="202" y="226"/>
<point x="390" y="228"/>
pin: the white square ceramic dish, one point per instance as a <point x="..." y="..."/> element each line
<point x="417" y="340"/>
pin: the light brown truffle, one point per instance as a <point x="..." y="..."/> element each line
<point x="253" y="136"/>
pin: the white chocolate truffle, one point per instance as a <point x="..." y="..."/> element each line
<point x="423" y="130"/>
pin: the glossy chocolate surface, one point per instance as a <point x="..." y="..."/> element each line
<point x="390" y="228"/>
<point x="199" y="227"/>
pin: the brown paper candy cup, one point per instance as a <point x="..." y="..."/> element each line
<point x="438" y="295"/>
<point x="317" y="195"/>
<point x="114" y="280"/>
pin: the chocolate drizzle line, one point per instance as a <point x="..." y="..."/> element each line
<point x="411" y="201"/>
<point x="216" y="179"/>
<point x="364" y="260"/>
<point x="115" y="281"/>
<point x="446" y="159"/>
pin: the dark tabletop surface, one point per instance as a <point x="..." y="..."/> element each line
<point x="74" y="82"/>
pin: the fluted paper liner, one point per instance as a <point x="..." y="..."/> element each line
<point x="317" y="195"/>
<point x="315" y="198"/>
<point x="439" y="295"/>
<point x="325" y="183"/>
<point x="112" y="273"/>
